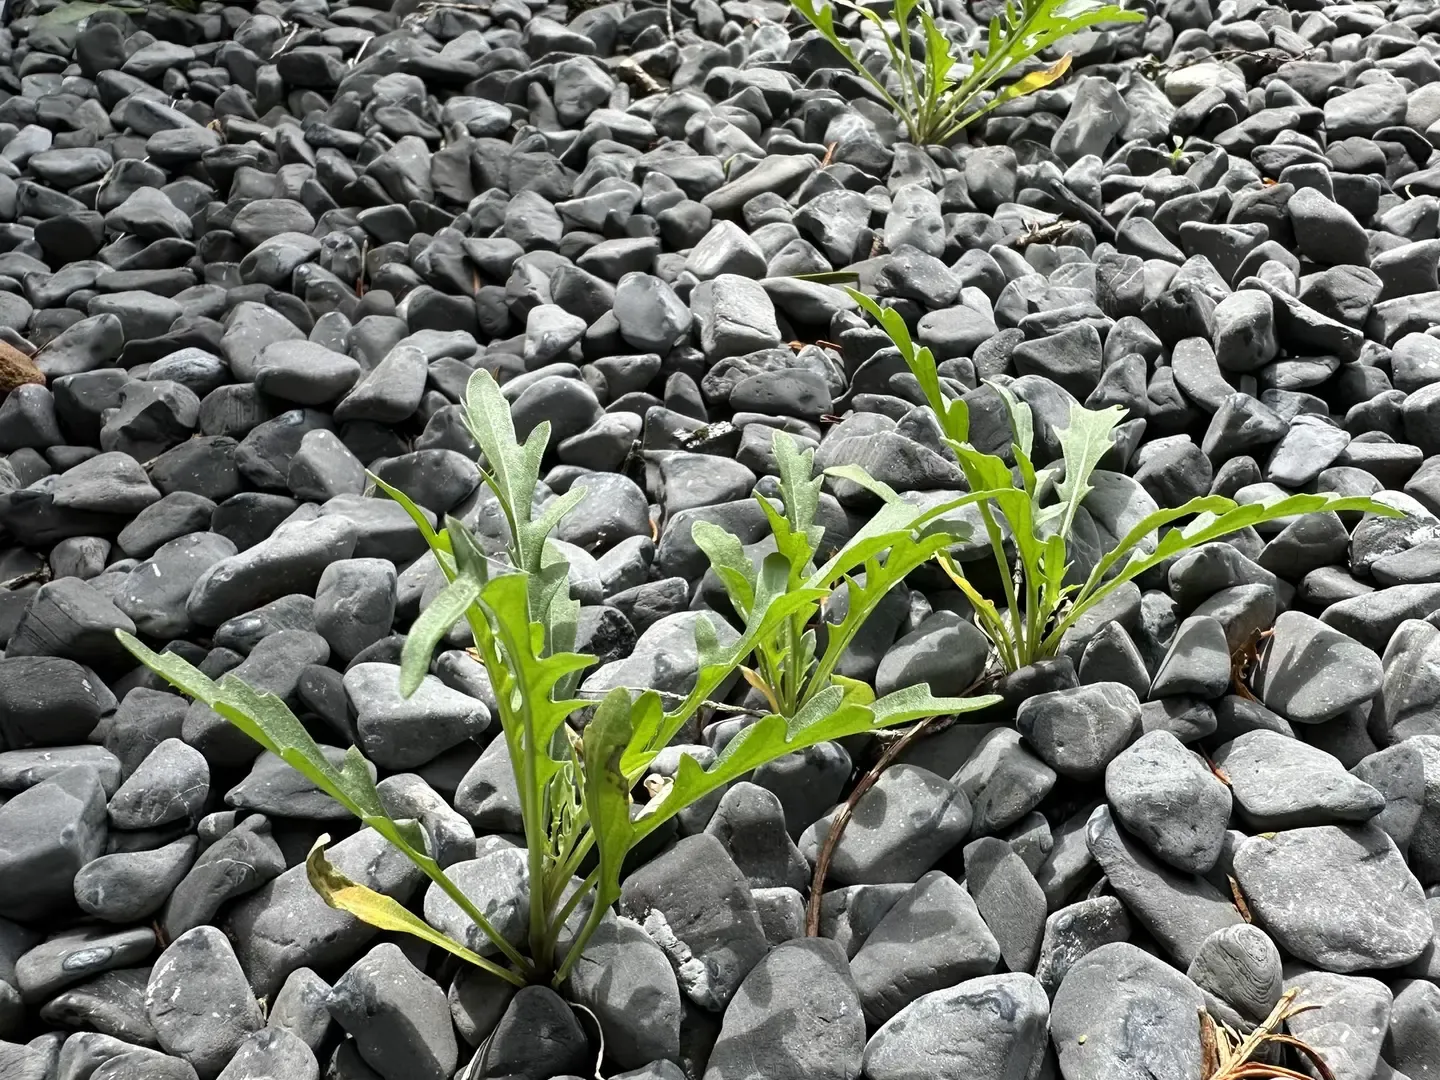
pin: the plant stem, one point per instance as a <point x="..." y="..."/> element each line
<point x="592" y="923"/>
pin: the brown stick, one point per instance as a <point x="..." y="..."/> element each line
<point x="837" y="827"/>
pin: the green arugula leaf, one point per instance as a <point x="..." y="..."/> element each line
<point x="1223" y="517"/>
<point x="1083" y="444"/>
<point x="727" y="558"/>
<point x="607" y="791"/>
<point x="443" y="612"/>
<point x="828" y="716"/>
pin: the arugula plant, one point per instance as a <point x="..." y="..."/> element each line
<point x="1032" y="512"/>
<point x="791" y="668"/>
<point x="576" y="785"/>
<point x="941" y="94"/>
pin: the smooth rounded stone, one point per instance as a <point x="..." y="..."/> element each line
<point x="477" y="1002"/>
<point x="1077" y="732"/>
<point x="1070" y="358"/>
<point x="304" y="373"/>
<point x="1413" y="1042"/>
<point x="1409" y="691"/>
<point x="796" y="1014"/>
<point x="149" y="215"/>
<point x="550" y="331"/>
<point x="278" y="789"/>
<point x="144" y="1064"/>
<point x="300" y="1008"/>
<point x="539" y="1036"/>
<point x="1339" y="897"/>
<point x="1399" y="773"/>
<point x="750" y="822"/>
<point x="735" y="316"/>
<point x="70" y="618"/>
<point x="79" y="556"/>
<point x="1348" y="1029"/>
<point x="108" y="483"/>
<point x="278" y="257"/>
<point x="1310" y="672"/>
<point x="391" y="392"/>
<point x="1197" y="662"/>
<point x="405" y="795"/>
<point x="84" y="1051"/>
<point x="245" y="633"/>
<point x="47" y="834"/>
<point x="664" y="658"/>
<point x="171" y="784"/>
<point x="1002" y="780"/>
<point x="625" y="979"/>
<point x="46" y="700"/>
<point x="900" y="828"/>
<point x="849" y="914"/>
<point x="291" y="560"/>
<point x="132" y="886"/>
<point x="398" y="1016"/>
<point x="75" y="955"/>
<point x="1076" y="931"/>
<point x="112" y="1003"/>
<point x="915" y="220"/>
<point x="651" y="317"/>
<point x="1009" y="898"/>
<point x="22" y="769"/>
<point x="273" y="666"/>
<point x="497" y="885"/>
<point x="487" y="794"/>
<point x="401" y="733"/>
<point x="199" y="1001"/>
<point x="1282" y="783"/>
<point x="155" y="593"/>
<point x="946" y="652"/>
<point x="236" y="864"/>
<point x="355" y="604"/>
<point x="324" y="467"/>
<point x="570" y="407"/>
<point x="174" y="516"/>
<point x="614" y="508"/>
<point x="1179" y="910"/>
<point x="1239" y="966"/>
<point x="688" y="481"/>
<point x="1112" y="656"/>
<point x="1325" y="232"/>
<point x="1166" y="797"/>
<point x="655" y="1070"/>
<point x="264" y="219"/>
<point x="285" y="925"/>
<point x="1373" y="617"/>
<point x="889" y="968"/>
<point x="1245" y="331"/>
<point x="694" y="901"/>
<point x="782" y="914"/>
<point x="272" y="1052"/>
<point x="23" y="1062"/>
<point x="993" y="1026"/>
<point x="956" y="331"/>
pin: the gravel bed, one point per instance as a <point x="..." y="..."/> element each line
<point x="249" y="251"/>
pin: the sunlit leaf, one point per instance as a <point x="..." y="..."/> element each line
<point x="381" y="911"/>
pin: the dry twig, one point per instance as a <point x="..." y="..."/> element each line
<point x="1225" y="1055"/>
<point x="929" y="725"/>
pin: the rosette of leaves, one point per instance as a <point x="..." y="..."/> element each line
<point x="1029" y="513"/>
<point x="946" y="88"/>
<point x="577" y="784"/>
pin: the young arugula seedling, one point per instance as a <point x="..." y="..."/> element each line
<point x="576" y="785"/>
<point x="940" y="96"/>
<point x="1038" y="509"/>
